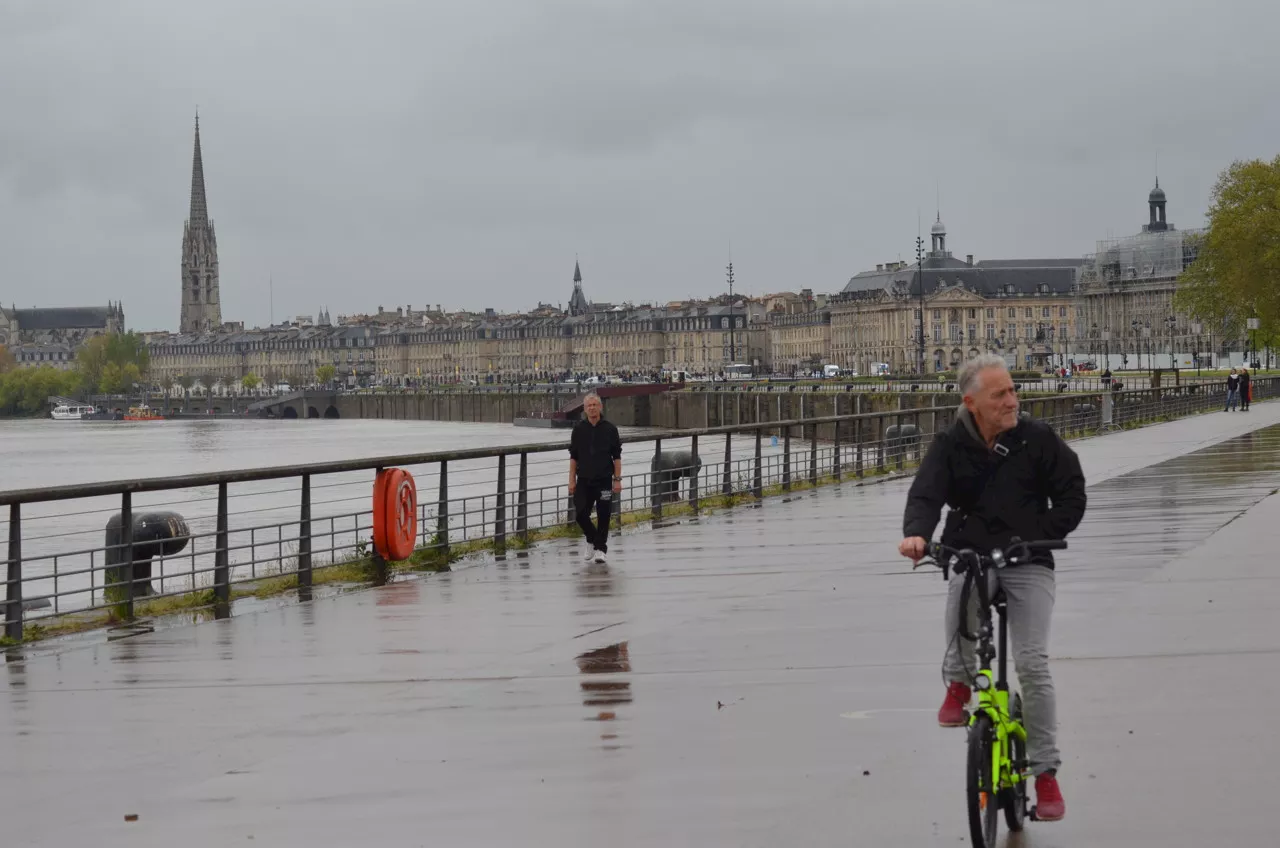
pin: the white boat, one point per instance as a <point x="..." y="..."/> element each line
<point x="65" y="412"/>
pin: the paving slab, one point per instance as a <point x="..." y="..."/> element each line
<point x="765" y="676"/>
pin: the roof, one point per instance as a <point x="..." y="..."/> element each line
<point x="988" y="281"/>
<point x="63" y="318"/>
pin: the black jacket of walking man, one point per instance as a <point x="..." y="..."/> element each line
<point x="595" y="474"/>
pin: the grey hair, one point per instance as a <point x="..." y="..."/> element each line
<point x="591" y="395"/>
<point x="968" y="376"/>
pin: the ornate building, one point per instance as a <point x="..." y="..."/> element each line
<point x="1125" y="309"/>
<point x="70" y="326"/>
<point x="935" y="314"/>
<point x="201" y="302"/>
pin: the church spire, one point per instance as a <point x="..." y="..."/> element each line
<point x="578" y="303"/>
<point x="199" y="206"/>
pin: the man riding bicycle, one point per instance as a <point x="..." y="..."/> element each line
<point x="1002" y="475"/>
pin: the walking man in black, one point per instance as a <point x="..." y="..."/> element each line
<point x="595" y="474"/>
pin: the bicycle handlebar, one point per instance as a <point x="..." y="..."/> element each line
<point x="1015" y="550"/>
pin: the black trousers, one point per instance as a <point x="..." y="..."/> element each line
<point x="1244" y="397"/>
<point x="598" y="494"/>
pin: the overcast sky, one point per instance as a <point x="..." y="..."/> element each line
<point x="461" y="152"/>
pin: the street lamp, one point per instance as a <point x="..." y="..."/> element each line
<point x="1171" y="323"/>
<point x="920" y="284"/>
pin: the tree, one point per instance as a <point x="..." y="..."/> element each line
<point x="25" y="391"/>
<point x="207" y="380"/>
<point x="125" y="351"/>
<point x="1236" y="272"/>
<point x="250" y="381"/>
<point x="186" y="381"/>
<point x="6" y="359"/>
<point x="325" y="374"/>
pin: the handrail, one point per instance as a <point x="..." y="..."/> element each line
<point x="278" y="472"/>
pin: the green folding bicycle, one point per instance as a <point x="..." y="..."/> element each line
<point x="996" y="769"/>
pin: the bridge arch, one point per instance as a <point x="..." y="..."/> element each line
<point x="331" y="412"/>
<point x="312" y="412"/>
<point x="289" y="412"/>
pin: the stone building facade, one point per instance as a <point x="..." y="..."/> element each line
<point x="69" y="326"/>
<point x="1126" y="311"/>
<point x="1021" y="309"/>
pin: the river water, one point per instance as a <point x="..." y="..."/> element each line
<point x="62" y="542"/>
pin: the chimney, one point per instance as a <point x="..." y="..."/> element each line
<point x="968" y="259"/>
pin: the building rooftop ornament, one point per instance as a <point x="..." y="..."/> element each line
<point x="578" y="303"/>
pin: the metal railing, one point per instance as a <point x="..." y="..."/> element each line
<point x="287" y="523"/>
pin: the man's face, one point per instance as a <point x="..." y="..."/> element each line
<point x="592" y="408"/>
<point x="993" y="403"/>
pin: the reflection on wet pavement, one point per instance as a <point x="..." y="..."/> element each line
<point x="790" y="671"/>
<point x="604" y="696"/>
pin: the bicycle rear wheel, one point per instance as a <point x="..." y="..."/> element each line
<point x="1015" y="797"/>
<point x="983" y="802"/>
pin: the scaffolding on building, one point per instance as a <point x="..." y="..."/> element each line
<point x="1142" y="257"/>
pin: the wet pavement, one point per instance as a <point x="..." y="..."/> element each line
<point x="766" y="676"/>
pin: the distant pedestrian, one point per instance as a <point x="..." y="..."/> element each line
<point x="595" y="474"/>
<point x="1246" y="388"/>
<point x="1233" y="390"/>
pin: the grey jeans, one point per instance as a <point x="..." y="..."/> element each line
<point x="1030" y="591"/>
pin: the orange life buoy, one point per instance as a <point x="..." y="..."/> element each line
<point x="395" y="514"/>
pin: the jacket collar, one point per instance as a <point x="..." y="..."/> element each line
<point x="967" y="429"/>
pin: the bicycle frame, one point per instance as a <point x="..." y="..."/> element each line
<point x="993" y="698"/>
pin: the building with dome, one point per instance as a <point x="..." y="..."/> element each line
<point x="1125" y="313"/>
<point x="1019" y="308"/>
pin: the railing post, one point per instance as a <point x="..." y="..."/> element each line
<point x="881" y="441"/>
<point x="813" y="455"/>
<point x="304" y="536"/>
<point x="693" y="478"/>
<point x="857" y="448"/>
<point x="835" y="446"/>
<point x="126" y="551"/>
<point x="13" y="593"/>
<point x="757" y="485"/>
<point x="221" y="561"/>
<point x="657" y="481"/>
<point x="522" y="500"/>
<point x="727" y="488"/>
<point x="902" y="448"/>
<point x="500" y="507"/>
<point x="786" y="459"/>
<point x="375" y="557"/>
<point x="442" y="510"/>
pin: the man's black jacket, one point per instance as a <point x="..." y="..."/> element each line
<point x="595" y="448"/>
<point x="1034" y="492"/>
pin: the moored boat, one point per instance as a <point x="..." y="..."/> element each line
<point x="70" y="412"/>
<point x="142" y="413"/>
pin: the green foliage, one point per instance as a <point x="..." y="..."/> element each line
<point x="113" y="363"/>
<point x="7" y="362"/>
<point x="325" y="373"/>
<point x="1236" y="274"/>
<point x="25" y="391"/>
<point x="250" y="381"/>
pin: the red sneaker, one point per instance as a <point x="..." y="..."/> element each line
<point x="1049" y="803"/>
<point x="952" y="712"/>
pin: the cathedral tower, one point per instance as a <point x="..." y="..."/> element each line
<point x="201" y="304"/>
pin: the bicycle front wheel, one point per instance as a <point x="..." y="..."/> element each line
<point x="983" y="801"/>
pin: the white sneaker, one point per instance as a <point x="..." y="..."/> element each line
<point x="598" y="558"/>
<point x="590" y="555"/>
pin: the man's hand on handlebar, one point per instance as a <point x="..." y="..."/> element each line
<point x="913" y="548"/>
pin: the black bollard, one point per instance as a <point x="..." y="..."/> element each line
<point x="154" y="534"/>
<point x="665" y="472"/>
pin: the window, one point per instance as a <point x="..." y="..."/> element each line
<point x="991" y="313"/>
<point x="937" y="333"/>
<point x="991" y="332"/>
<point x="1062" y="312"/>
<point x="973" y="330"/>
<point x="1013" y="313"/>
<point x="973" y="313"/>
<point x="917" y="314"/>
<point x="1026" y="312"/>
<point x="1030" y="331"/>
